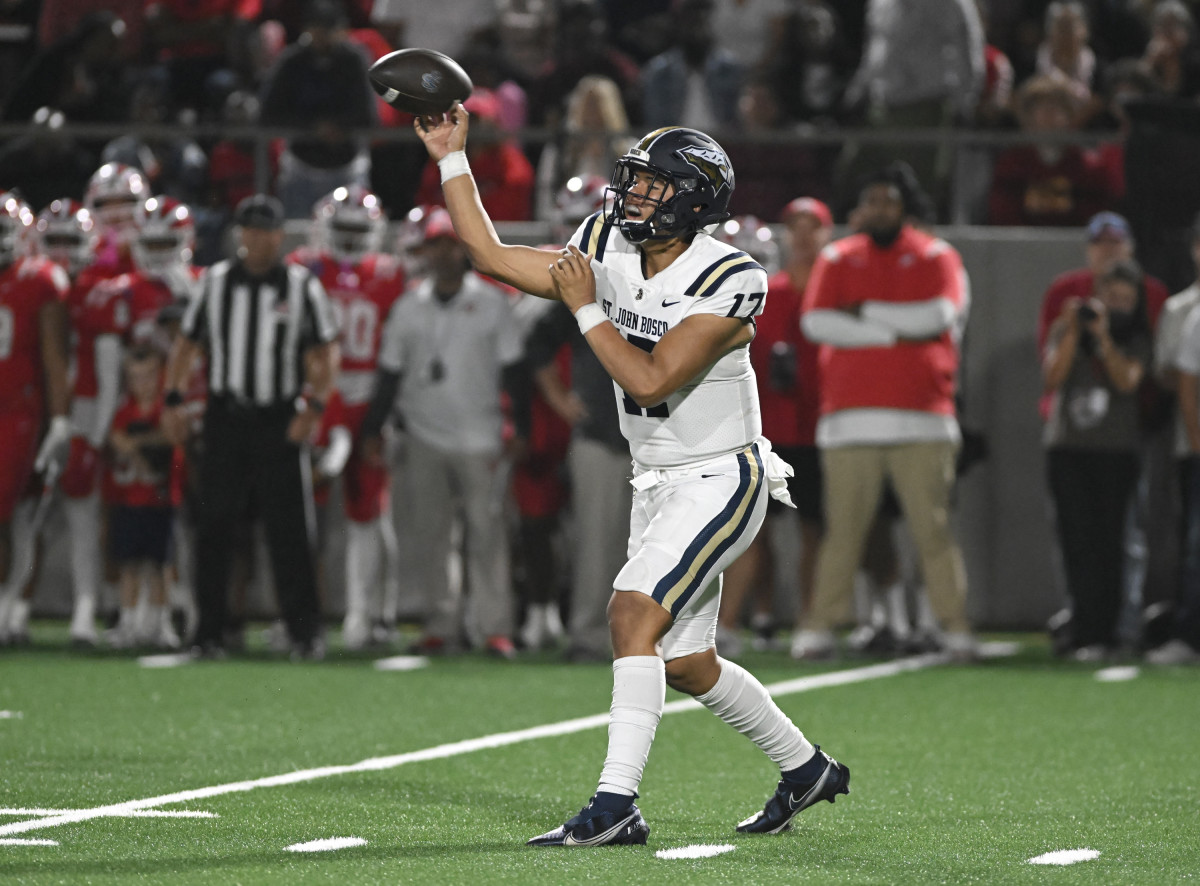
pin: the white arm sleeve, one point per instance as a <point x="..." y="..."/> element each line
<point x="842" y="330"/>
<point x="108" y="383"/>
<point x="333" y="462"/>
<point x="921" y="319"/>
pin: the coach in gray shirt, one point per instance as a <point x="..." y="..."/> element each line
<point x="450" y="348"/>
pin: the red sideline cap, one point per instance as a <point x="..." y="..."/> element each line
<point x="810" y="205"/>
<point x="439" y="225"/>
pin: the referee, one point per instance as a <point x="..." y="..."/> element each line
<point x="268" y="332"/>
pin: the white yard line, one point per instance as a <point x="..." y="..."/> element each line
<point x="132" y="813"/>
<point x="457" y="748"/>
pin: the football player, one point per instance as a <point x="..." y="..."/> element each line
<point x="670" y="313"/>
<point x="33" y="365"/>
<point x="346" y="236"/>
<point x="113" y="195"/>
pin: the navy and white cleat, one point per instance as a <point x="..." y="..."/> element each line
<point x="591" y="828"/>
<point x="790" y="799"/>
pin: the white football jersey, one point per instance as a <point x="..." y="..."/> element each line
<point x="715" y="413"/>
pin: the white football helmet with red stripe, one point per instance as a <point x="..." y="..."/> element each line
<point x="16" y="228"/>
<point x="66" y="234"/>
<point x="165" y="237"/>
<point x="349" y="224"/>
<point x="113" y="195"/>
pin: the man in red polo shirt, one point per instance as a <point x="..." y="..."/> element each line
<point x="887" y="307"/>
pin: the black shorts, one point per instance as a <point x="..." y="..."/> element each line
<point x="807" y="486"/>
<point x="139" y="534"/>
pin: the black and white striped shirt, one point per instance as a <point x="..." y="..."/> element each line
<point x="256" y="329"/>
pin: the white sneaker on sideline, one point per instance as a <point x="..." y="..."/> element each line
<point x="356" y="631"/>
<point x="1173" y="652"/>
<point x="1090" y="654"/>
<point x="961" y="646"/>
<point x="83" y="622"/>
<point x="813" y="645"/>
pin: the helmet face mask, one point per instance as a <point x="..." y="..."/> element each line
<point x="66" y="234"/>
<point x="165" y="237"/>
<point x="113" y="196"/>
<point x="349" y="223"/>
<point x="16" y="226"/>
<point x="680" y="181"/>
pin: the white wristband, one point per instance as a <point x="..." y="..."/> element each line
<point x="453" y="165"/>
<point x="589" y="317"/>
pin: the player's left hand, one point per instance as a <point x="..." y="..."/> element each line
<point x="573" y="278"/>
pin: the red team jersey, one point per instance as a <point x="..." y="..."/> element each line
<point x="26" y="287"/>
<point x="138" y="484"/>
<point x="88" y="323"/>
<point x="362" y="295"/>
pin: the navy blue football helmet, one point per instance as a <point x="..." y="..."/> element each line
<point x="693" y="163"/>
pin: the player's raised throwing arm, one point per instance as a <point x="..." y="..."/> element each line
<point x="520" y="266"/>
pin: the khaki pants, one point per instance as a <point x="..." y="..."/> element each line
<point x="922" y="475"/>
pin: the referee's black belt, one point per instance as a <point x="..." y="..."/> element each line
<point x="240" y="408"/>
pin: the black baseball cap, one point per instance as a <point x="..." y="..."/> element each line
<point x="260" y="211"/>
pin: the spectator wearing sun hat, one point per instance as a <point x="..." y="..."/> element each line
<point x="503" y="174"/>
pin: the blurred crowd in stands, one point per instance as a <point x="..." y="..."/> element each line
<point x="809" y="97"/>
<point x="561" y="83"/>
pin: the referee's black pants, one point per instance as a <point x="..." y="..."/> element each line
<point x="247" y="457"/>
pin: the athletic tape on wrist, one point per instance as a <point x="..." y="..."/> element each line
<point x="453" y="165"/>
<point x="589" y="317"/>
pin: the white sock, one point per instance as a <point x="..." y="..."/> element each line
<point x="364" y="565"/>
<point x="18" y="616"/>
<point x="743" y="702"/>
<point x="639" y="693"/>
<point x="83" y="522"/>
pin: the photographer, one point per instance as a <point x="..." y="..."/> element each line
<point x="1097" y="353"/>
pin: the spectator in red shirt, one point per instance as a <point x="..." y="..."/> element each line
<point x="502" y="172"/>
<point x="1044" y="183"/>
<point x="785" y="363"/>
<point x="887" y="306"/>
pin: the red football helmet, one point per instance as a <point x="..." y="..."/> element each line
<point x="164" y="238"/>
<point x="753" y="237"/>
<point x="113" y="195"/>
<point x="349" y="223"/>
<point x="66" y="234"/>
<point x="16" y="228"/>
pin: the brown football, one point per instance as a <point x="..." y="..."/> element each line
<point x="420" y="81"/>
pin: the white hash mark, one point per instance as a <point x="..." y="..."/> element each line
<point x="1065" y="856"/>
<point x="699" y="850"/>
<point x="326" y="845"/>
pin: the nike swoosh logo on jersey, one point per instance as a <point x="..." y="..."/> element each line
<point x="667" y="304"/>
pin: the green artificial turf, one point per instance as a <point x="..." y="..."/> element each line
<point x="960" y="774"/>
